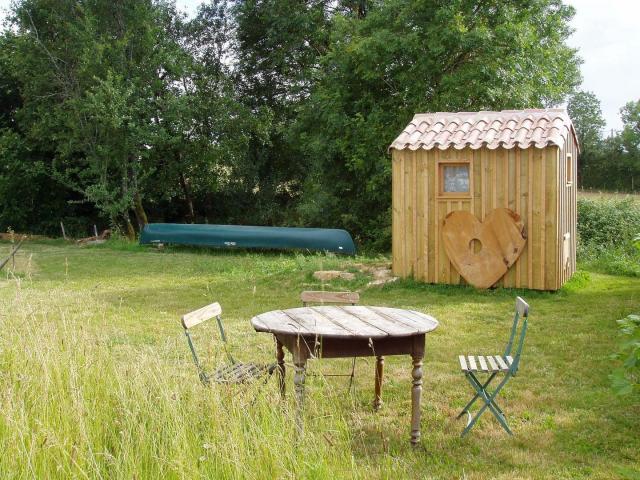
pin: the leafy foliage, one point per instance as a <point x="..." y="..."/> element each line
<point x="264" y="112"/>
<point x="586" y="114"/>
<point x="608" y="222"/>
<point x="612" y="163"/>
<point x="607" y="233"/>
<point x="626" y="379"/>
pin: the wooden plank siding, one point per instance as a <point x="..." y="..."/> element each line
<point x="528" y="181"/>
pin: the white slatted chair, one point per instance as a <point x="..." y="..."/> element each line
<point x="233" y="372"/>
<point x="332" y="298"/>
<point x="491" y="366"/>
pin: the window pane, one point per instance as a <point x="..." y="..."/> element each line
<point x="456" y="178"/>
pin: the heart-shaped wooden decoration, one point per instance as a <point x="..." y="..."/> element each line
<point x="482" y="252"/>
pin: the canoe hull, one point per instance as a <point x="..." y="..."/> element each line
<point x="241" y="236"/>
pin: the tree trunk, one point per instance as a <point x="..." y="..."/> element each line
<point x="187" y="196"/>
<point x="131" y="232"/>
<point x="141" y="215"/>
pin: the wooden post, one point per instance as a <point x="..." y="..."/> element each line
<point x="64" y="234"/>
<point x="377" y="401"/>
<point x="12" y="254"/>
<point x="416" y="393"/>
<point x="95" y="231"/>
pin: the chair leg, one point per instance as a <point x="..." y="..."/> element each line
<point x="476" y="396"/>
<point x="489" y="403"/>
<point x="377" y="400"/>
<point x="353" y="372"/>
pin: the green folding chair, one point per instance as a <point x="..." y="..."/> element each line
<point x="332" y="298"/>
<point x="491" y="366"/>
<point x="232" y="372"/>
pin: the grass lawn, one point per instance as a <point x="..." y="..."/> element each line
<point x="97" y="382"/>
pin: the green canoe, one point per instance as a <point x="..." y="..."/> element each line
<point x="239" y="236"/>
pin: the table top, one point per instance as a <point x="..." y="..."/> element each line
<point x="345" y="321"/>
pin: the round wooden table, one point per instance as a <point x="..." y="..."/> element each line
<point x="349" y="331"/>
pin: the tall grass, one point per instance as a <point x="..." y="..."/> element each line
<point x="96" y="380"/>
<point x="77" y="404"/>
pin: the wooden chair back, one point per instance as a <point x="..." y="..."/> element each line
<point x="203" y="314"/>
<point x="320" y="297"/>
<point x="520" y="320"/>
<point x="196" y="317"/>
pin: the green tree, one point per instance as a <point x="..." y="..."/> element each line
<point x="279" y="44"/>
<point x="630" y="143"/>
<point x="204" y="131"/>
<point x="405" y="57"/>
<point x="586" y="114"/>
<point x="29" y="199"/>
<point x="86" y="71"/>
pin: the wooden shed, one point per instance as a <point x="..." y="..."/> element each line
<point x="486" y="198"/>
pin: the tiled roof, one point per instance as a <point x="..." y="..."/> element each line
<point x="506" y="129"/>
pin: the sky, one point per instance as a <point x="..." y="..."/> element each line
<point x="607" y="37"/>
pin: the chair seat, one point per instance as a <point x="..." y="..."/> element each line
<point x="485" y="363"/>
<point x="241" y="372"/>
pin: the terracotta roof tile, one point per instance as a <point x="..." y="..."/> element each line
<point x="506" y="129"/>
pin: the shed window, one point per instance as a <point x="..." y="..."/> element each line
<point x="454" y="178"/>
<point x="569" y="169"/>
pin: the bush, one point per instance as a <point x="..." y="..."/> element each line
<point x="608" y="222"/>
<point x="607" y="235"/>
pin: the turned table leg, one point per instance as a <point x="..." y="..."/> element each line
<point x="416" y="392"/>
<point x="280" y="360"/>
<point x="377" y="401"/>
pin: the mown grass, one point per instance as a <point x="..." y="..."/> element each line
<point x="97" y="381"/>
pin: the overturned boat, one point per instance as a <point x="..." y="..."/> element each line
<point x="241" y="236"/>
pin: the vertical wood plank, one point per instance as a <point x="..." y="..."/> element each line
<point x="542" y="200"/>
<point x="493" y="164"/>
<point x="574" y="234"/>
<point x="518" y="206"/>
<point x="477" y="185"/>
<point x="563" y="205"/>
<point x="403" y="188"/>
<point x="530" y="245"/>
<point x="432" y="220"/>
<point x="436" y="261"/>
<point x="446" y="269"/>
<point x="509" y="202"/>
<point x="551" y="218"/>
<point x="420" y="204"/>
<point x="409" y="195"/>
<point x="395" y="213"/>
<point x="483" y="181"/>
<point x="425" y="217"/>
